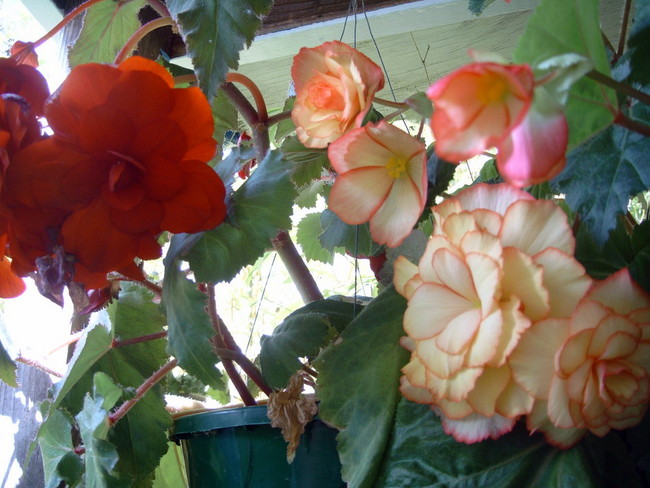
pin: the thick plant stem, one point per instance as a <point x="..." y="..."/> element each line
<point x="618" y="86"/>
<point x="262" y="113"/>
<point x="141" y="391"/>
<point x="138" y="340"/>
<point x="298" y="270"/>
<point x="282" y="243"/>
<point x="133" y="41"/>
<point x="220" y="345"/>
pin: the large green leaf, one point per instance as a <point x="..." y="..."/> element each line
<point x="358" y="386"/>
<point x="100" y="455"/>
<point x="190" y="330"/>
<point x="139" y="437"/>
<point x="214" y="32"/>
<point x="106" y="28"/>
<point x="422" y="455"/>
<point x="302" y="334"/>
<point x="7" y="368"/>
<point x="92" y="346"/>
<point x="55" y="441"/>
<point x="621" y="250"/>
<point x="572" y="26"/>
<point x="261" y="207"/>
<point x="602" y="175"/>
<point x="171" y="472"/>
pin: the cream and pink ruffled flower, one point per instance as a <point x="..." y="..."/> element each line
<point x="498" y="260"/>
<point x="382" y="179"/>
<point x="589" y="372"/>
<point x="488" y="104"/>
<point x="334" y="86"/>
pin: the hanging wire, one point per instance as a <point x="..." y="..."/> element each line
<point x="259" y="304"/>
<point x="381" y="60"/>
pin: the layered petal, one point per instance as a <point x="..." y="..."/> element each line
<point x="381" y="179"/>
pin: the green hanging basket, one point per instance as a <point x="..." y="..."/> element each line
<point x="238" y="448"/>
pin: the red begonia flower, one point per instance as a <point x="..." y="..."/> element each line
<point x="127" y="160"/>
<point x="24" y="80"/>
<point x="10" y="284"/>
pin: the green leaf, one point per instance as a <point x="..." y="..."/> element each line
<point x="106" y="28"/>
<point x="559" y="27"/>
<point x="100" y="455"/>
<point x="358" y="386"/>
<point x="92" y="346"/>
<point x="55" y="441"/>
<point x="355" y="239"/>
<point x="309" y="163"/>
<point x="214" y="32"/>
<point x="190" y="330"/>
<point x="638" y="44"/>
<point x="302" y="334"/>
<point x="602" y="175"/>
<point x="422" y="455"/>
<point x="7" y="368"/>
<point x="261" y="207"/>
<point x="621" y="250"/>
<point x="171" y="472"/>
<point x="308" y="194"/>
<point x="307" y="237"/>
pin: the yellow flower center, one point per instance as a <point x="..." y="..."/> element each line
<point x="491" y="89"/>
<point x="396" y="166"/>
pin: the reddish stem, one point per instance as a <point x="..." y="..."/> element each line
<point x="274" y="119"/>
<point x="71" y="15"/>
<point x="262" y="113"/>
<point x="632" y="125"/>
<point x="137" y="36"/>
<point x="37" y="365"/>
<point x="137" y="340"/>
<point x="623" y="34"/>
<point x="141" y="391"/>
<point x="220" y="343"/>
<point x="298" y="270"/>
<point x="390" y="103"/>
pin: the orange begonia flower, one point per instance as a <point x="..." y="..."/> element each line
<point x="10" y="285"/>
<point x="590" y="371"/>
<point x="127" y="160"/>
<point x="334" y="88"/>
<point x="25" y="81"/>
<point x="488" y="104"/>
<point x="497" y="261"/>
<point x="382" y="178"/>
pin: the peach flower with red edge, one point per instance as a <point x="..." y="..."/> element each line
<point x="381" y="178"/>
<point x="497" y="261"/>
<point x="489" y="104"/>
<point x="334" y="86"/>
<point x="122" y="166"/>
<point x="590" y="371"/>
